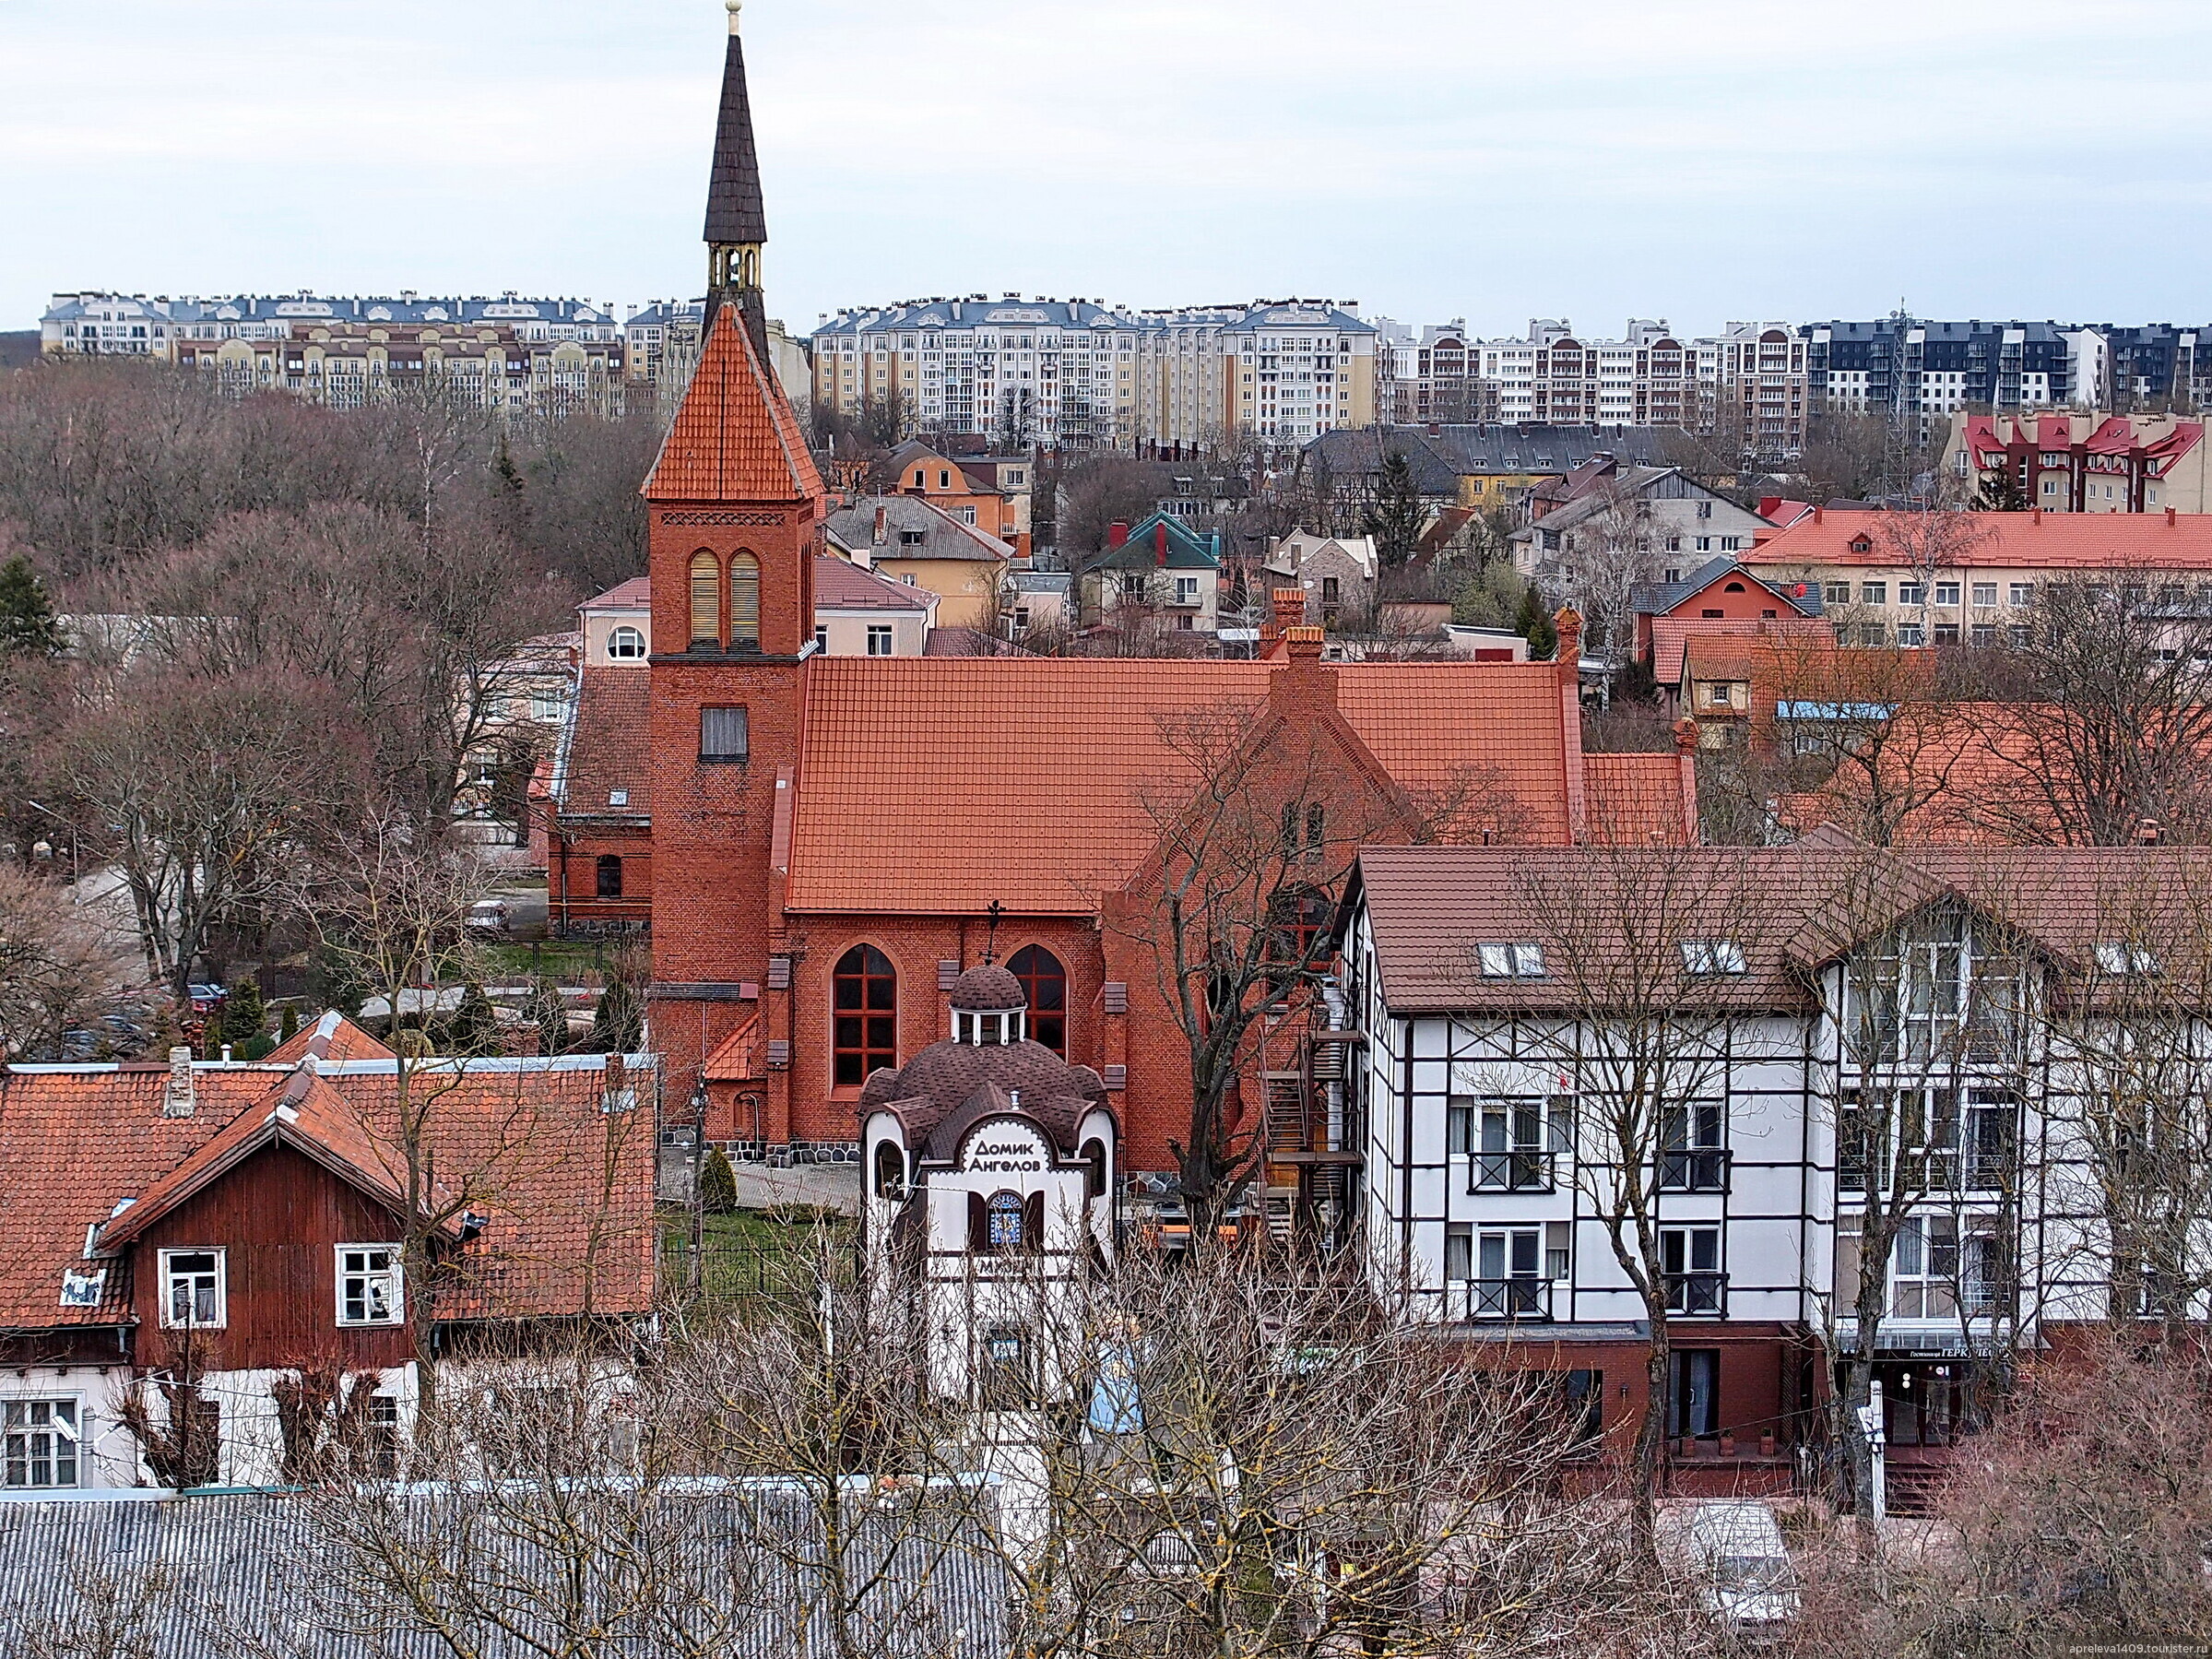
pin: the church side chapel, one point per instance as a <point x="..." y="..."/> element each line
<point x="991" y="1166"/>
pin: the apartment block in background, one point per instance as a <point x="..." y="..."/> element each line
<point x="2084" y="463"/>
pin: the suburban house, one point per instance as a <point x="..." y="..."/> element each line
<point x="909" y="539"/>
<point x="859" y="613"/>
<point x="1161" y="566"/>
<point x="1811" y="1040"/>
<point x="990" y="493"/>
<point x="209" y="1232"/>
<point x="1656" y="510"/>
<point x="1972" y="578"/>
<point x="1338" y="572"/>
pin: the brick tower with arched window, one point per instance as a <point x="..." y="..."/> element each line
<point x="734" y="508"/>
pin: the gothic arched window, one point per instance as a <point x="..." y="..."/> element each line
<point x="864" y="999"/>
<point x="1044" y="984"/>
<point x="745" y="601"/>
<point x="707" y="599"/>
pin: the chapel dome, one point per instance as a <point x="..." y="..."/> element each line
<point x="987" y="989"/>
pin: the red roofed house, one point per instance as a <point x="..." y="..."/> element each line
<point x="1712" y="591"/>
<point x="229" y="1225"/>
<point x="2084" y="463"/>
<point x="836" y="839"/>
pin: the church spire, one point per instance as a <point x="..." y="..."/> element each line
<point x="737" y="225"/>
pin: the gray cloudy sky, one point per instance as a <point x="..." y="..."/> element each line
<point x="1699" y="159"/>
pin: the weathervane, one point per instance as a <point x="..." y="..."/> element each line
<point x="991" y="937"/>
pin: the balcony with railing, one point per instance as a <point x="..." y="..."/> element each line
<point x="1693" y="1170"/>
<point x="1519" y="1169"/>
<point x="1698" y="1295"/>
<point x="1510" y="1300"/>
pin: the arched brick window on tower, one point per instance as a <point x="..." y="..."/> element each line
<point x="707" y="599"/>
<point x="744" y="602"/>
<point x="1044" y="984"/>
<point x="864" y="999"/>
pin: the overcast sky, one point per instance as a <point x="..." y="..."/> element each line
<point x="1699" y="159"/>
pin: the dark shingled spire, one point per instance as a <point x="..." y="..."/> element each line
<point x="733" y="193"/>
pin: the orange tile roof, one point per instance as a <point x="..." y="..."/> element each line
<point x="637" y="594"/>
<point x="609" y="747"/>
<point x="921" y="778"/>
<point x="1669" y="634"/>
<point x="334" y="1037"/>
<point x="536" y="1146"/>
<point x="1633" y="799"/>
<point x="734" y="437"/>
<point x="2028" y="541"/>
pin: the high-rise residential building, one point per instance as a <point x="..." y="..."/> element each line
<point x="1073" y="372"/>
<point x="1020" y="371"/>
<point x="510" y="352"/>
<point x="1646" y="378"/>
<point x="1430" y="373"/>
<point x="1754" y="382"/>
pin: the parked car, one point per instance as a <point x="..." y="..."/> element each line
<point x="207" y="998"/>
<point x="1745" y="1577"/>
<point x="488" y="916"/>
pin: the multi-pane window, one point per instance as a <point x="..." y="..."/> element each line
<point x="1690" y="1258"/>
<point x="368" y="1279"/>
<point x="879" y="639"/>
<point x="38" y="1442"/>
<point x="1933" y="1270"/>
<point x="1511" y="1151"/>
<point x="192" y="1290"/>
<point x="1002" y="1224"/>
<point x="1985" y="592"/>
<point x="626" y="644"/>
<point x="864" y="993"/>
<point x="1693" y="1139"/>
<point x="1522" y="960"/>
<point x="607" y="875"/>
<point x="1044" y="984"/>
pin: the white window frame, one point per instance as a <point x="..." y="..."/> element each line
<point x="880" y="634"/>
<point x="222" y="1290"/>
<point x="1703" y="957"/>
<point x="1509" y="959"/>
<point x="17" y="1434"/>
<point x="618" y="644"/>
<point x="366" y="1275"/>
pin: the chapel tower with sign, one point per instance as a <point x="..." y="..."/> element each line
<point x="991" y="1166"/>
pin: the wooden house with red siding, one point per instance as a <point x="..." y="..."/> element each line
<point x="187" y="1241"/>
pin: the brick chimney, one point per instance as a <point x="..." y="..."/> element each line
<point x="1159" y="544"/>
<point x="1302" y="686"/>
<point x="616" y="1095"/>
<point x="2149" y="833"/>
<point x="1286" y="609"/>
<point x="176" y="1094"/>
<point x="1118" y="533"/>
<point x="883" y="525"/>
<point x="1569" y="656"/>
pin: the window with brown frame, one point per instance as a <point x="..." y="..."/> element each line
<point x="1044" y="984"/>
<point x="864" y="996"/>
<point x="744" y="602"/>
<point x="707" y="599"/>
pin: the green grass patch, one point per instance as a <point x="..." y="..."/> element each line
<point x="770" y="1252"/>
<point x="565" y="961"/>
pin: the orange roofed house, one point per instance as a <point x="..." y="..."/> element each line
<point x="836" y="839"/>
<point x="203" y="1237"/>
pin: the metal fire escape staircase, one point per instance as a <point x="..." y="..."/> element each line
<point x="1311" y="1141"/>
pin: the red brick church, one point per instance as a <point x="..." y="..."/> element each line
<point x="834" y="840"/>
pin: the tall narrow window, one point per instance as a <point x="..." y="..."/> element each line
<point x="1045" y="983"/>
<point x="864" y="993"/>
<point x="610" y="875"/>
<point x="745" y="602"/>
<point x="707" y="599"/>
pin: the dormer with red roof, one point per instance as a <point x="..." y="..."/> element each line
<point x="1720" y="590"/>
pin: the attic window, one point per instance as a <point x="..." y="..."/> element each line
<point x="617" y="797"/>
<point x="1733" y="588"/>
<point x="1521" y="960"/>
<point x="1704" y="957"/>
<point x="1860" y="544"/>
<point x="913" y="538"/>
<point x="2115" y="958"/>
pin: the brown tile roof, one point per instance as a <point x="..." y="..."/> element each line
<point x="1629" y="797"/>
<point x="920" y="776"/>
<point x="1791" y="908"/>
<point x="525" y="1143"/>
<point x="637" y="594"/>
<point x="608" y="746"/>
<point x="2057" y="540"/>
<point x="1671" y="636"/>
<point x="734" y="437"/>
<point x="840" y="584"/>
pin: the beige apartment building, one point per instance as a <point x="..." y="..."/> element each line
<point x="1972" y="578"/>
<point x="2084" y="463"/>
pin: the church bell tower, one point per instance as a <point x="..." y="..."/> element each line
<point x="735" y="512"/>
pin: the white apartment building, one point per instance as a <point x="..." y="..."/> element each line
<point x="139" y="325"/>
<point x="1043" y="371"/>
<point x="1806" y="1038"/>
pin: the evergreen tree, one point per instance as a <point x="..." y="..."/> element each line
<point x="27" y="621"/>
<point x="288" y="1024"/>
<point x="617" y="1026"/>
<point x="550" y="1014"/>
<point x="1534" y="625"/>
<point x="246" y="1017"/>
<point x="717" y="1184"/>
<point x="2001" y="492"/>
<point x="475" y="1029"/>
<point x="1396" y="518"/>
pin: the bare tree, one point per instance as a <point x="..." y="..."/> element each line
<point x="57" y="965"/>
